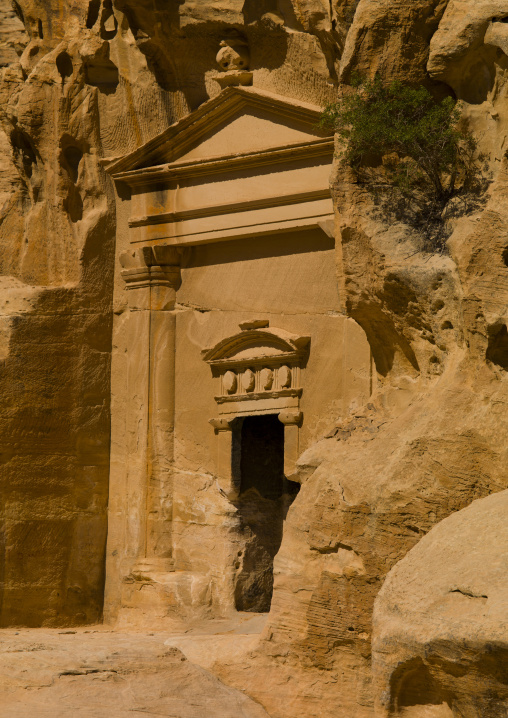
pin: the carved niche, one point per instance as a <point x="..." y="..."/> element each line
<point x="258" y="369"/>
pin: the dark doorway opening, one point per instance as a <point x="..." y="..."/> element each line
<point x="264" y="498"/>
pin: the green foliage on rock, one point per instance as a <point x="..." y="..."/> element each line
<point x="411" y="150"/>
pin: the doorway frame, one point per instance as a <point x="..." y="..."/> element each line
<point x="258" y="371"/>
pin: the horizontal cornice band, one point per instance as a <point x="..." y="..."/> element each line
<point x="213" y="210"/>
<point x="229" y="163"/>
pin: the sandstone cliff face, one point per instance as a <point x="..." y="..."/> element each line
<point x="56" y="241"/>
<point x="97" y="79"/>
<point x="434" y="436"/>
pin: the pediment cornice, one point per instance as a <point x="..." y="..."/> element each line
<point x="258" y="365"/>
<point x="166" y="148"/>
<point x="215" y="165"/>
<point x="283" y="343"/>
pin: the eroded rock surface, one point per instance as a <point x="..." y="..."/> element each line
<point x="421" y="451"/>
<point x="97" y="673"/>
<point x="440" y="620"/>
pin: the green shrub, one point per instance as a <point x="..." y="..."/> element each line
<point x="411" y="151"/>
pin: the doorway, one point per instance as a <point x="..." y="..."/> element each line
<point x="264" y="499"/>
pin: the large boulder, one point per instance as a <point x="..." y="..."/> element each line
<point x="440" y="642"/>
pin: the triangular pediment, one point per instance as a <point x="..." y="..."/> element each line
<point x="240" y="120"/>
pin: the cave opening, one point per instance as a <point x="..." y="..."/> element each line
<point x="264" y="499"/>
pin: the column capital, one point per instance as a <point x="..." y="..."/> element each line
<point x="221" y="424"/>
<point x="291" y="417"/>
<point x="151" y="267"/>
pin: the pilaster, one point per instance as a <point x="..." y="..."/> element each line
<point x="292" y="421"/>
<point x="224" y="432"/>
<point x="152" y="278"/>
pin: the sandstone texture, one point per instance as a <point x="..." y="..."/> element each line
<point x="439" y="643"/>
<point x="193" y="286"/>
<point x="97" y="673"/>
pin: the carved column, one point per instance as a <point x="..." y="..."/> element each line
<point x="291" y="421"/>
<point x="152" y="278"/>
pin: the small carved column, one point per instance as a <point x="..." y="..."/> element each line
<point x="291" y="421"/>
<point x="152" y="277"/>
<point x="224" y="432"/>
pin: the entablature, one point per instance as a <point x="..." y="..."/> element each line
<point x="244" y="164"/>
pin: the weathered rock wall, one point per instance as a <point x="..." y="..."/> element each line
<point x="434" y="435"/>
<point x="56" y="250"/>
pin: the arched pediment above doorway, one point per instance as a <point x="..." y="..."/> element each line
<point x="257" y="344"/>
<point x="256" y="364"/>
